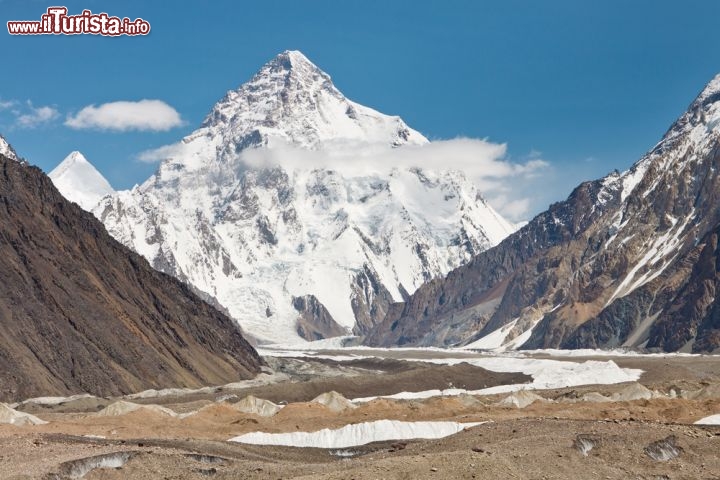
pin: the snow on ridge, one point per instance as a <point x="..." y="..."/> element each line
<point x="357" y="434"/>
<point x="712" y="88"/>
<point x="7" y="150"/>
<point x="290" y="99"/>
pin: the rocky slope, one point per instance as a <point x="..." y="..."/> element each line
<point x="249" y="209"/>
<point x="79" y="181"/>
<point x="628" y="260"/>
<point x="79" y="312"/>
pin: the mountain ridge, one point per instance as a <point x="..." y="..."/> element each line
<point x="604" y="268"/>
<point x="80" y="313"/>
<point x="286" y="85"/>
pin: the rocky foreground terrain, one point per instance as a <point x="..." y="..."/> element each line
<point x="640" y="430"/>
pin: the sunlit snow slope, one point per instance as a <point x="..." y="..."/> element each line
<point x="248" y="210"/>
<point x="80" y="182"/>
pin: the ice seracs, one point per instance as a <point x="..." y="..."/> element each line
<point x="260" y="210"/>
<point x="80" y="182"/>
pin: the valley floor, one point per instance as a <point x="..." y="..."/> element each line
<point x="630" y="433"/>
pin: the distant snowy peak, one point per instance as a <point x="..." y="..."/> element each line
<point x="7" y="150"/>
<point x="80" y="182"/>
<point x="290" y="100"/>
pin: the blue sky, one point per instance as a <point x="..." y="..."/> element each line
<point x="587" y="86"/>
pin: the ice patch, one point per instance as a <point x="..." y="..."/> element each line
<point x="260" y="380"/>
<point x="76" y="469"/>
<point x="52" y="401"/>
<point x="664" y="450"/>
<point x="334" y="401"/>
<point x="711" y="420"/>
<point x="357" y="434"/>
<point x="122" y="407"/>
<point x="521" y="399"/>
<point x="324" y="344"/>
<point x="634" y="391"/>
<point x="546" y="373"/>
<point x="584" y="443"/>
<point x="13" y="417"/>
<point x="257" y="406"/>
<point x="492" y="340"/>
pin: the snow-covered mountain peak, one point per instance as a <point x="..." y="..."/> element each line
<point x="7" y="150"/>
<point x="292" y="101"/>
<point x="75" y="157"/>
<point x="78" y="180"/>
<point x="701" y="118"/>
<point x="274" y="209"/>
<point x="294" y="63"/>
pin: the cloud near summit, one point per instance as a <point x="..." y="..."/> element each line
<point x="510" y="187"/>
<point x="484" y="162"/>
<point x="121" y="116"/>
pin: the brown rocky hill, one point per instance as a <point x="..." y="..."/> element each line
<point x="629" y="260"/>
<point x="79" y="312"/>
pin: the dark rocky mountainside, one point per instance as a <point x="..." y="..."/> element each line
<point x="629" y="260"/>
<point x="79" y="312"/>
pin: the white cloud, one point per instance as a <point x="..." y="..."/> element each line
<point x="36" y="116"/>
<point x="510" y="187"/>
<point x="479" y="159"/>
<point x="152" y="115"/>
<point x="512" y="208"/>
<point x="162" y="153"/>
<point x="7" y="104"/>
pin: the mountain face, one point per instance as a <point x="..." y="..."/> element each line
<point x="628" y="260"/>
<point x="249" y="210"/>
<point x="79" y="312"/>
<point x="79" y="181"/>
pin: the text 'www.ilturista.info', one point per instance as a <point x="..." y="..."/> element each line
<point x="57" y="22"/>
